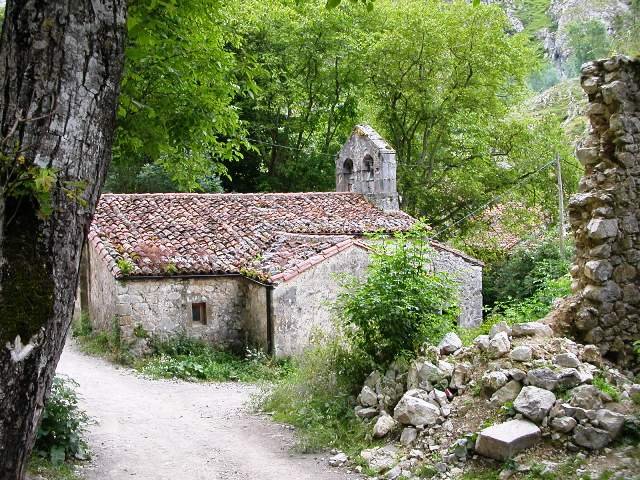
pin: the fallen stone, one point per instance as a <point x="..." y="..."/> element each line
<point x="492" y="381"/>
<point x="517" y="374"/>
<point x="567" y="360"/>
<point x="373" y="380"/>
<point x="408" y="436"/>
<point x="610" y="421"/>
<point x="451" y="343"/>
<point x="482" y="342"/>
<point x="394" y="473"/>
<point x="569" y="378"/>
<point x="380" y="459"/>
<point x="383" y="426"/>
<point x="586" y="396"/>
<point x="415" y="411"/>
<point x="503" y="441"/>
<point x="534" y="403"/>
<point x="431" y="373"/>
<point x="499" y="327"/>
<point x="522" y="353"/>
<point x="542" y="378"/>
<point x="368" y="397"/>
<point x="563" y="424"/>
<point x="368" y="412"/>
<point x="508" y="393"/>
<point x="446" y="368"/>
<point x="591" y="354"/>
<point x="530" y="329"/>
<point x="591" y="437"/>
<point x="460" y="375"/>
<point x="499" y="345"/>
<point x="338" y="460"/>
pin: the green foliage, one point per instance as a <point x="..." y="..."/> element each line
<point x="108" y="344"/>
<point x="588" y="41"/>
<point x="317" y="398"/>
<point x="627" y="31"/>
<point x="534" y="15"/>
<point x="59" y="435"/>
<point x="306" y="64"/>
<point x="191" y="359"/>
<point x="125" y="266"/>
<point x="402" y="303"/>
<point x="546" y="76"/>
<point x="604" y="386"/>
<point x="43" y="469"/>
<point x="525" y="271"/>
<point x="176" y="107"/>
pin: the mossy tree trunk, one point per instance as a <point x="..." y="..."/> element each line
<point x="60" y="69"/>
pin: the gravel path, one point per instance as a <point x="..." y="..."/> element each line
<point x="157" y="430"/>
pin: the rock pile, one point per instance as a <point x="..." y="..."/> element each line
<point x="539" y="386"/>
<point x="605" y="215"/>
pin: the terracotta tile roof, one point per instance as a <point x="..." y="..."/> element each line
<point x="193" y="234"/>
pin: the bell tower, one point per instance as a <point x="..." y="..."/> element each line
<point x="367" y="164"/>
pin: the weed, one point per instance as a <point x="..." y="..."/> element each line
<point x="83" y="327"/>
<point x="125" y="266"/>
<point x="140" y="332"/>
<point x="107" y="344"/>
<point x="604" y="386"/>
<point x="43" y="469"/>
<point x="192" y="359"/>
<point x="316" y="398"/>
<point x="59" y="435"/>
<point x="426" y="471"/>
<point x="170" y="268"/>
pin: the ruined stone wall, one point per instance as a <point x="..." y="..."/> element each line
<point x="605" y="214"/>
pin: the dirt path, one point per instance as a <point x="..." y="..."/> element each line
<point x="156" y="430"/>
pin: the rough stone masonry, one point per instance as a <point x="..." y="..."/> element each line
<point x="605" y="214"/>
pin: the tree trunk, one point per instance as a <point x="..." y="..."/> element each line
<point x="60" y="69"/>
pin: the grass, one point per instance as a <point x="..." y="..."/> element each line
<point x="604" y="386"/>
<point x="43" y="468"/>
<point x="191" y="359"/>
<point x="316" y="398"/>
<point x="527" y="310"/>
<point x="179" y="357"/>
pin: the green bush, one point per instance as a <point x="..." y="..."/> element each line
<point x="192" y="359"/>
<point x="107" y="344"/>
<point x="527" y="270"/>
<point x="59" y="435"/>
<point x="402" y="303"/>
<point x="588" y="41"/>
<point x="317" y="398"/>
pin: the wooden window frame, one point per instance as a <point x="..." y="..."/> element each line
<point x="199" y="313"/>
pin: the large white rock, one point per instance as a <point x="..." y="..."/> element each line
<point x="499" y="345"/>
<point x="508" y="393"/>
<point x="450" y="343"/>
<point x="591" y="437"/>
<point x="368" y="397"/>
<point x="567" y="360"/>
<point x="523" y="353"/>
<point x="610" y="421"/>
<point x="492" y="381"/>
<point x="534" y="403"/>
<point x="383" y="426"/>
<point x="530" y="329"/>
<point x="499" y="327"/>
<point x="415" y="411"/>
<point x="503" y="441"/>
<point x="380" y="459"/>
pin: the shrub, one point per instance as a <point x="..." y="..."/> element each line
<point x="125" y="266"/>
<point x="59" y="435"/>
<point x="604" y="386"/>
<point x="588" y="41"/>
<point x="402" y="303"/>
<point x="192" y="359"/>
<point x="527" y="270"/>
<point x="317" y="398"/>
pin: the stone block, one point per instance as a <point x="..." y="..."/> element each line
<point x="503" y="441"/>
<point x="602" y="229"/>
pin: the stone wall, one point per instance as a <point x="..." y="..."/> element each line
<point x="605" y="214"/>
<point x="302" y="306"/>
<point x="101" y="292"/>
<point x="469" y="276"/>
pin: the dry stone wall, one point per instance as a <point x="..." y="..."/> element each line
<point x="605" y="214"/>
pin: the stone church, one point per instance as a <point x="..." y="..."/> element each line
<point x="250" y="269"/>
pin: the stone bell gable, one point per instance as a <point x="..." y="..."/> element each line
<point x="366" y="164"/>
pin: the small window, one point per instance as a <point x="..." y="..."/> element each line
<point x="199" y="313"/>
<point x="368" y="164"/>
<point x="347" y="166"/>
